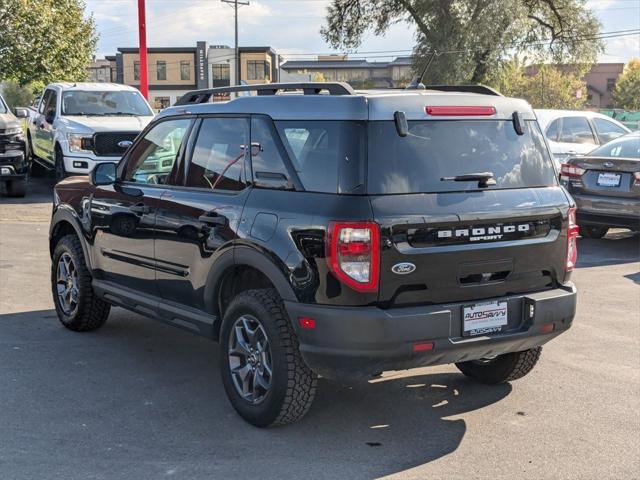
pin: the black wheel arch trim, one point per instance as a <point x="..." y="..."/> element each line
<point x="68" y="215"/>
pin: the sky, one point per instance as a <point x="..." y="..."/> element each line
<point x="292" y="27"/>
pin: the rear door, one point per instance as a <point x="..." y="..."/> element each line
<point x="451" y="241"/>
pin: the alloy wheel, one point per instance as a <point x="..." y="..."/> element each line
<point x="250" y="360"/>
<point x="67" y="284"/>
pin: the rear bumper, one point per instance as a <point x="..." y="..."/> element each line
<point x="608" y="211"/>
<point x="357" y="342"/>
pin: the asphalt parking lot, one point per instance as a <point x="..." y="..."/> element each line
<point x="142" y="400"/>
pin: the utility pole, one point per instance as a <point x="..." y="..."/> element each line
<point x="142" y="35"/>
<point x="235" y="4"/>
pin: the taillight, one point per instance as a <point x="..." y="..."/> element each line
<point x="573" y="230"/>
<point x="353" y="254"/>
<point x="570" y="171"/>
<point x="459" y="111"/>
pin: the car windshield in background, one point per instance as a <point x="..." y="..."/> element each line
<point x="623" y="147"/>
<point x="436" y="149"/>
<point x="108" y="103"/>
<point x="3" y="107"/>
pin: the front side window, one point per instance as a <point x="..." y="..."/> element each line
<point x="3" y="106"/>
<point x="576" y="130"/>
<point x="327" y="155"/>
<point x="435" y="151"/>
<point x="217" y="162"/>
<point x="185" y="70"/>
<point x="45" y="100"/>
<point x="607" y="130"/>
<point x="51" y="105"/>
<point x="105" y="103"/>
<point x="553" y="130"/>
<point x="152" y="159"/>
<point x="161" y="70"/>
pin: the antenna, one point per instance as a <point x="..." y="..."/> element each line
<point x="416" y="83"/>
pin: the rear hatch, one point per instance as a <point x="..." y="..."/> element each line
<point x="447" y="241"/>
<point x="606" y="176"/>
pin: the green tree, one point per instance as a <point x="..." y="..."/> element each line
<point x="627" y="92"/>
<point x="45" y="40"/>
<point x="543" y="86"/>
<point x="472" y="36"/>
<point x="16" y="95"/>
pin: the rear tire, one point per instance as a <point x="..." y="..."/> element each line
<point x="276" y="362"/>
<point x="593" y="231"/>
<point x="77" y="306"/>
<point x="503" y="368"/>
<point x="17" y="188"/>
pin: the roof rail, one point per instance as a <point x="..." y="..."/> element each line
<point x="308" y="88"/>
<point x="481" y="89"/>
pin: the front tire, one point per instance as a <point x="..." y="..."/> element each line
<point x="593" y="231"/>
<point x="263" y="372"/>
<point x="503" y="368"/>
<point x="77" y="306"/>
<point x="60" y="171"/>
<point x="17" y="187"/>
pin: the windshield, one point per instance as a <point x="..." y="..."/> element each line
<point x="623" y="147"/>
<point x="109" y="103"/>
<point x="437" y="149"/>
<point x="3" y="107"/>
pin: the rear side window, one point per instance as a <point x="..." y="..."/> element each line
<point x="437" y="149"/>
<point x="607" y="130"/>
<point x="327" y="155"/>
<point x="553" y="130"/>
<point x="218" y="156"/>
<point x="576" y="130"/>
<point x="268" y="166"/>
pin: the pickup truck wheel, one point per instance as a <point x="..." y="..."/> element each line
<point x="17" y="187"/>
<point x="503" y="368"/>
<point x="61" y="173"/>
<point x="593" y="231"/>
<point x="78" y="308"/>
<point x="263" y="372"/>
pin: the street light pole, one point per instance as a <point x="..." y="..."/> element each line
<point x="235" y="4"/>
<point x="142" y="35"/>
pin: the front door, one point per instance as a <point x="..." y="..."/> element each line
<point x="123" y="215"/>
<point x="43" y="126"/>
<point x="198" y="219"/>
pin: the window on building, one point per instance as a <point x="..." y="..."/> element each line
<point x="160" y="103"/>
<point x="611" y="84"/>
<point x="136" y="70"/>
<point x="221" y="71"/>
<point x="185" y="70"/>
<point x="161" y="70"/>
<point x="258" y="70"/>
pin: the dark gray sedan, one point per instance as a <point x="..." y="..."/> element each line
<point x="606" y="186"/>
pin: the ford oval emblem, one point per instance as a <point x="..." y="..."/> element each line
<point x="403" y="268"/>
<point x="125" y="143"/>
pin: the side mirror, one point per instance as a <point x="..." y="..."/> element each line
<point x="22" y="113"/>
<point x="103" y="174"/>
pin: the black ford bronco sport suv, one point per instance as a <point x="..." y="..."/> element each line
<point x="314" y="230"/>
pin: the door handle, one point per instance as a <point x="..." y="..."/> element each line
<point x="213" y="220"/>
<point x="140" y="208"/>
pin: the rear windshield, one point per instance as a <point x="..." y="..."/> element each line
<point x="436" y="149"/>
<point x="628" y="146"/>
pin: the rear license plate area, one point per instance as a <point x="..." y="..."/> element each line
<point x="484" y="318"/>
<point x="608" y="180"/>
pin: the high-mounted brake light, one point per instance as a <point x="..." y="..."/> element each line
<point x="573" y="230"/>
<point x="570" y="171"/>
<point x="470" y="111"/>
<point x="353" y="254"/>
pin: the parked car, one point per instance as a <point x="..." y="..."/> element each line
<point x="14" y="162"/>
<point x="334" y="233"/>
<point x="572" y="133"/>
<point x="78" y="125"/>
<point x="606" y="186"/>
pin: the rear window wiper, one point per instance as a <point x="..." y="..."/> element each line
<point x="484" y="179"/>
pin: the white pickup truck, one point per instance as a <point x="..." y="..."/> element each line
<point x="77" y="125"/>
